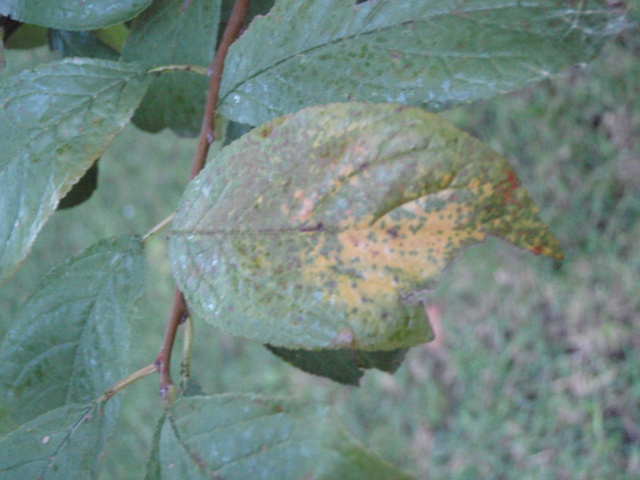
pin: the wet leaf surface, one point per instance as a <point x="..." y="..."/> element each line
<point x="316" y="230"/>
<point x="70" y="341"/>
<point x="61" y="444"/>
<point x="85" y="15"/>
<point x="56" y="120"/>
<point x="238" y="436"/>
<point x="433" y="54"/>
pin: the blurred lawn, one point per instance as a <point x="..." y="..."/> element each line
<point x="536" y="373"/>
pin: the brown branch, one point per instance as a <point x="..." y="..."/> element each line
<point x="208" y="130"/>
<point x="163" y="361"/>
<point x="179" y="312"/>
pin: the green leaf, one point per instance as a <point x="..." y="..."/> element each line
<point x="84" y="15"/>
<point x="314" y="230"/>
<point x="167" y="34"/>
<point x="344" y="366"/>
<point x="27" y="37"/>
<point x="434" y="54"/>
<point x="239" y="436"/>
<point x="70" y="341"/>
<point x="256" y="7"/>
<point x="114" y="36"/>
<point x="3" y="60"/>
<point x="80" y="44"/>
<point x="154" y="469"/>
<point x="62" y="444"/>
<point x="235" y="130"/>
<point x="55" y="121"/>
<point x="81" y="191"/>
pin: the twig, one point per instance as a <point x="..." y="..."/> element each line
<point x="208" y="130"/>
<point x="179" y="312"/>
<point x="159" y="227"/>
<point x="134" y="377"/>
<point x="163" y="362"/>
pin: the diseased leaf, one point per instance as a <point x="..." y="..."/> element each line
<point x="79" y="44"/>
<point x="434" y="54"/>
<point x="84" y="15"/>
<point x="62" y="444"/>
<point x="174" y="32"/>
<point x="344" y="366"/>
<point x="70" y="341"/>
<point x="314" y="230"/>
<point x="81" y="191"/>
<point x="236" y="437"/>
<point x="55" y="121"/>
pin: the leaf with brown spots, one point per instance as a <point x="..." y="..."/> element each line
<point x="316" y="229"/>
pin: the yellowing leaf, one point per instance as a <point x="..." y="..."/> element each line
<point x="314" y="230"/>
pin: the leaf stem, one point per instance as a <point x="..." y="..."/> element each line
<point x="159" y="227"/>
<point x="180" y="68"/>
<point x="179" y="313"/>
<point x="122" y="384"/>
<point x="187" y="350"/>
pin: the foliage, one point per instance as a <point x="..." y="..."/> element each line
<point x="287" y="190"/>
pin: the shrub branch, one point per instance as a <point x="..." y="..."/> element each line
<point x="179" y="313"/>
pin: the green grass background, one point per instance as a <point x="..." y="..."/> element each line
<point x="537" y="370"/>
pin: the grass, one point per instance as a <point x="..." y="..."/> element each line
<point x="536" y="372"/>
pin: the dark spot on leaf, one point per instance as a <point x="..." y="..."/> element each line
<point x="316" y="228"/>
<point x="393" y="232"/>
<point x="266" y="131"/>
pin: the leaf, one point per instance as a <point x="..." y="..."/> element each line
<point x="3" y="60"/>
<point x="153" y="468"/>
<point x="235" y="130"/>
<point x="434" y="54"/>
<point x="167" y="33"/>
<point x="70" y="341"/>
<point x="114" y="36"/>
<point x="61" y="444"/>
<point x="55" y="121"/>
<point x="66" y="15"/>
<point x="81" y="191"/>
<point x="343" y="366"/>
<point x="238" y="436"/>
<point x="80" y="44"/>
<point x="256" y="7"/>
<point x="314" y="230"/>
<point x="27" y="37"/>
